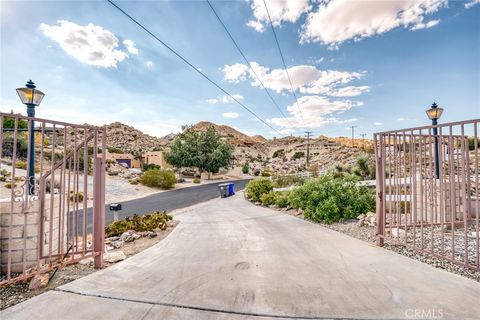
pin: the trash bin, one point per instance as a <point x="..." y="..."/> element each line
<point x="223" y="187"/>
<point x="231" y="189"/>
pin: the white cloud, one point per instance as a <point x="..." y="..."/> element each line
<point x="427" y="25"/>
<point x="286" y="131"/>
<point x="316" y="111"/>
<point x="258" y="26"/>
<point x="130" y="46"/>
<point x="336" y="21"/>
<point x="305" y="78"/>
<point x="279" y="10"/>
<point x="235" y="72"/>
<point x="231" y="115"/>
<point x="378" y="123"/>
<point x="224" y="99"/>
<point x="149" y="64"/>
<point x="401" y="119"/>
<point x="470" y="4"/>
<point x="89" y="44"/>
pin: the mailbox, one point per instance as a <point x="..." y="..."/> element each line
<point x="115" y="207"/>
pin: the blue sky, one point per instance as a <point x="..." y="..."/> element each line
<point x="376" y="65"/>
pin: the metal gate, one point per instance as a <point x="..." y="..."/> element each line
<point x="52" y="195"/>
<point x="428" y="190"/>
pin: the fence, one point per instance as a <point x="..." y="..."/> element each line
<point x="52" y="195"/>
<point x="428" y="190"/>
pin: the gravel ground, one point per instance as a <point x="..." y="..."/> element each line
<point x="367" y="234"/>
<point x="19" y="292"/>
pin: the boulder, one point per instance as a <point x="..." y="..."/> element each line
<point x="40" y="280"/>
<point x="114" y="256"/>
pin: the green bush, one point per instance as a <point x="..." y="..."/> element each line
<point x="266" y="173"/>
<point x="268" y="199"/>
<point x="78" y="197"/>
<point x="256" y="188"/>
<point x="245" y="168"/>
<point x="115" y="150"/>
<point x="278" y="153"/>
<point x="298" y="155"/>
<point x="150" y="166"/>
<point x="196" y="180"/>
<point x="158" y="178"/>
<point x="330" y="199"/>
<point x="281" y="200"/>
<point x="282" y="181"/>
<point x="21" y="164"/>
<point x="148" y="222"/>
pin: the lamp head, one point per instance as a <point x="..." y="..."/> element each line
<point x="434" y="113"/>
<point x="29" y="95"/>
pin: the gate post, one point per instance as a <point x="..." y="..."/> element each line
<point x="380" y="192"/>
<point x="99" y="211"/>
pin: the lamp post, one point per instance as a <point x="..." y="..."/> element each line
<point x="31" y="98"/>
<point x="434" y="113"/>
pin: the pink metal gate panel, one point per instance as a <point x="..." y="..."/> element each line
<point x="428" y="190"/>
<point x="54" y="215"/>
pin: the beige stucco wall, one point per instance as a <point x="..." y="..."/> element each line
<point x="155" y="157"/>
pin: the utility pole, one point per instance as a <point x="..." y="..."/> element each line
<point x="363" y="135"/>
<point x="308" y="133"/>
<point x="353" y="135"/>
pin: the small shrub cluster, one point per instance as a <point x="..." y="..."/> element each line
<point x="150" y="166"/>
<point x="326" y="199"/>
<point x="76" y="197"/>
<point x="196" y="180"/>
<point x="256" y="188"/>
<point x="148" y="222"/>
<point x="158" y="178"/>
<point x="115" y="150"/>
<point x="21" y="164"/>
<point x="245" y="168"/>
<point x="266" y="173"/>
<point x="298" y="155"/>
<point x="4" y="175"/>
<point x="282" y="181"/>
<point x="278" y="153"/>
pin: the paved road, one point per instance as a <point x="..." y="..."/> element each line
<point x="168" y="201"/>
<point x="228" y="259"/>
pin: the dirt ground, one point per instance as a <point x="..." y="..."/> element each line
<point x="19" y="292"/>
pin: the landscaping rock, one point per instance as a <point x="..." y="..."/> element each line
<point x="40" y="280"/>
<point x="114" y="256"/>
<point x="86" y="261"/>
<point x="117" y="244"/>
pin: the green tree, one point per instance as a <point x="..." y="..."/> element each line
<point x="205" y="150"/>
<point x="10" y="123"/>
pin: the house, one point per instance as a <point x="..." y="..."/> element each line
<point x="155" y="157"/>
<point x="124" y="158"/>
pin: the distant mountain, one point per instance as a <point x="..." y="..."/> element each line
<point x="129" y="139"/>
<point x="236" y="137"/>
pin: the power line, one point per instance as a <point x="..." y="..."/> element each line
<point x="363" y="135"/>
<point x="191" y="65"/>
<point x="283" y="60"/>
<point x="246" y="60"/>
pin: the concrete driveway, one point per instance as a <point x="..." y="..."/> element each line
<point x="229" y="259"/>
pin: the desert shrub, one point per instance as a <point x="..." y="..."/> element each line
<point x="196" y="180"/>
<point x="8" y="185"/>
<point x="330" y="199"/>
<point x="268" y="199"/>
<point x="76" y="197"/>
<point x="256" y="173"/>
<point x="281" y="200"/>
<point x="115" y="150"/>
<point x="158" y="178"/>
<point x="298" y="155"/>
<point x="282" y="181"/>
<point x="133" y="182"/>
<point x="148" y="222"/>
<point x="266" y="173"/>
<point x="8" y="145"/>
<point x="150" y="166"/>
<point x="256" y="188"/>
<point x="21" y="164"/>
<point x="364" y="168"/>
<point x="278" y="153"/>
<point x="181" y="180"/>
<point x="245" y="168"/>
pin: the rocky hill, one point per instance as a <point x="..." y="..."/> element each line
<point x="129" y="139"/>
<point x="285" y="155"/>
